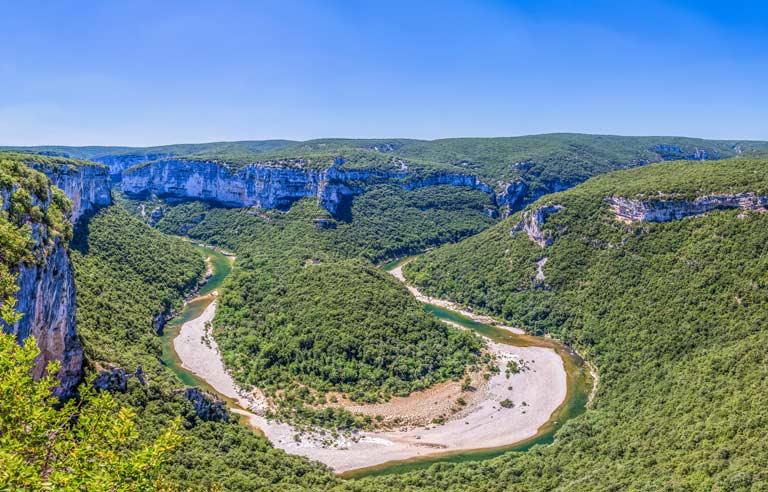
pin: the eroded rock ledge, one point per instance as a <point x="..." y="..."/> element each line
<point x="87" y="186"/>
<point x="533" y="220"/>
<point x="275" y="184"/>
<point x="630" y="210"/>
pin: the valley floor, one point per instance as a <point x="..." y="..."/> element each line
<point x="536" y="392"/>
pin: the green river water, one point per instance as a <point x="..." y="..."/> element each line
<point x="221" y="266"/>
<point x="579" y="380"/>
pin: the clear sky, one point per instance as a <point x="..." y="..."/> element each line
<point x="155" y="72"/>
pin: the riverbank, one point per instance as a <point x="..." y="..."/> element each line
<point x="530" y="397"/>
<point x="397" y="271"/>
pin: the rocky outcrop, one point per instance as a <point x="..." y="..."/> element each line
<point x="119" y="163"/>
<point x="115" y="379"/>
<point x="325" y="223"/>
<point x="511" y="196"/>
<point x="207" y="407"/>
<point x="518" y="194"/>
<point x="88" y="186"/>
<point x="46" y="298"/>
<point x="532" y="222"/>
<point x="629" y="210"/>
<point x="272" y="184"/>
<point x="672" y="152"/>
<point x="46" y="295"/>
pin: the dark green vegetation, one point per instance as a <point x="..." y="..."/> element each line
<point x="305" y="306"/>
<point x="37" y="156"/>
<point x="389" y="222"/>
<point x="88" y="444"/>
<point x="126" y="273"/>
<point x="543" y="163"/>
<point x="31" y="203"/>
<point x="673" y="314"/>
<point x="580" y="385"/>
<point x="337" y="325"/>
<point x="127" y="276"/>
<point x="279" y="244"/>
<point x="386" y="222"/>
<point x="96" y="152"/>
<point x="540" y="159"/>
<point x="227" y="455"/>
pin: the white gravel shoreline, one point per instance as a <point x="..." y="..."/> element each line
<point x="536" y="393"/>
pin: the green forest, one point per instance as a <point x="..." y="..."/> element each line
<point x="672" y="314"/>
<point x="543" y="163"/>
<point x="126" y="274"/>
<point x="306" y="304"/>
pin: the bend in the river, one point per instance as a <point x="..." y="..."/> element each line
<point x="555" y="387"/>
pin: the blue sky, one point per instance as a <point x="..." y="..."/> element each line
<point x="155" y="72"/>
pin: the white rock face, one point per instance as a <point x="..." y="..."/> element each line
<point x="632" y="210"/>
<point x="87" y="186"/>
<point x="533" y="220"/>
<point x="46" y="298"/>
<point x="271" y="185"/>
<point x="46" y="294"/>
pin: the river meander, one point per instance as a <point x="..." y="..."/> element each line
<point x="578" y="381"/>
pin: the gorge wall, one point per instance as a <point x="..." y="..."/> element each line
<point x="663" y="210"/>
<point x="46" y="300"/>
<point x="88" y="186"/>
<point x="118" y="163"/>
<point x="46" y="294"/>
<point x="270" y="185"/>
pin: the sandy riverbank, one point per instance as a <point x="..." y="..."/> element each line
<point x="535" y="392"/>
<point x="199" y="353"/>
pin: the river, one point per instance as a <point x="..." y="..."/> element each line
<point x="364" y="458"/>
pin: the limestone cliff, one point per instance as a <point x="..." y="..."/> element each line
<point x="45" y="279"/>
<point x="663" y="210"/>
<point x="532" y="222"/>
<point x="46" y="298"/>
<point x="88" y="186"/>
<point x="117" y="163"/>
<point x="272" y="184"/>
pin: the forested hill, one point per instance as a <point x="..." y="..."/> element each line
<point x="660" y="276"/>
<point x="533" y="165"/>
<point x="564" y="158"/>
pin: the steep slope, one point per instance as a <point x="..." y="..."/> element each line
<point x="331" y="180"/>
<point x="672" y="313"/>
<point x="86" y="184"/>
<point x="36" y="268"/>
<point x="126" y="274"/>
<point x="34" y="203"/>
<point x="521" y="169"/>
<point x="517" y="169"/>
<point x="129" y="280"/>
